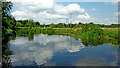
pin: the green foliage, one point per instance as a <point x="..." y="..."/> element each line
<point x="52" y="25"/>
<point x="27" y="23"/>
<point x="6" y="7"/>
<point x="48" y="31"/>
<point x="60" y="25"/>
<point x="91" y="33"/>
<point x="18" y="24"/>
<point x="30" y="23"/>
<point x="61" y="31"/>
<point x="90" y="26"/>
<point x="78" y="26"/>
<point x="90" y="37"/>
<point x="30" y="36"/>
<point x="110" y="26"/>
<point x="8" y="22"/>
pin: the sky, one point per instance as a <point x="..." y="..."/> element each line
<point x="57" y="11"/>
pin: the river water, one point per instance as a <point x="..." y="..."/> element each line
<point x="56" y="50"/>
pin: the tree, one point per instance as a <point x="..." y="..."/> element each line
<point x="37" y="24"/>
<point x="8" y="22"/>
<point x="52" y="25"/>
<point x="91" y="23"/>
<point x="18" y="24"/>
<point x="6" y="7"/>
<point x="80" y="23"/>
<point x="60" y="25"/>
<point x="30" y="23"/>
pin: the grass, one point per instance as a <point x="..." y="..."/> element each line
<point x="110" y="35"/>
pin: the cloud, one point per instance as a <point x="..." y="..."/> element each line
<point x="106" y="21"/>
<point x="85" y="17"/>
<point x="51" y="16"/>
<point x="116" y="13"/>
<point x="114" y="3"/>
<point x="93" y="9"/>
<point x="86" y="0"/>
<point x="20" y="15"/>
<point x="46" y="11"/>
<point x="31" y="4"/>
<point x="69" y="9"/>
<point x="75" y="8"/>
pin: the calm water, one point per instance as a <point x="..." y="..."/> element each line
<point x="57" y="50"/>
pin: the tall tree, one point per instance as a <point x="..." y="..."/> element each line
<point x="8" y="22"/>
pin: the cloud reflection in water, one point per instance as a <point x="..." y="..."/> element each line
<point x="41" y="49"/>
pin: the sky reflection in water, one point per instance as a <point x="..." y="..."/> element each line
<point x="60" y="51"/>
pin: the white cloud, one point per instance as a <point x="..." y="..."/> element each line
<point x="117" y="13"/>
<point x="107" y="21"/>
<point x="87" y="0"/>
<point x="43" y="4"/>
<point x="93" y="9"/>
<point x="85" y="18"/>
<point x="46" y="11"/>
<point x="20" y="15"/>
<point x="75" y="8"/>
<point x="69" y="9"/>
<point x="51" y="16"/>
<point x="114" y="3"/>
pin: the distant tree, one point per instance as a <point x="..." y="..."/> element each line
<point x="89" y="27"/>
<point x="91" y="23"/>
<point x="18" y="24"/>
<point x="44" y="25"/>
<point x="23" y="22"/>
<point x="30" y="23"/>
<point x="37" y="24"/>
<point x="80" y="23"/>
<point x="60" y="25"/>
<point x="52" y="25"/>
<point x="85" y="28"/>
<point x="114" y="25"/>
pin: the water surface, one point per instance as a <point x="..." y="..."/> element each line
<point x="54" y="50"/>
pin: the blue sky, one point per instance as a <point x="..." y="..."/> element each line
<point x="102" y="9"/>
<point x="50" y="11"/>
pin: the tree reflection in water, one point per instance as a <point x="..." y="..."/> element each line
<point x="6" y="61"/>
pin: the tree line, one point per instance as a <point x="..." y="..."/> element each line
<point x="31" y="23"/>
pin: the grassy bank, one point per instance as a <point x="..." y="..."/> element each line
<point x="91" y="37"/>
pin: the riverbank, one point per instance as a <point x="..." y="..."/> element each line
<point x="106" y="35"/>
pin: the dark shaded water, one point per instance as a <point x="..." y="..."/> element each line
<point x="54" y="50"/>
